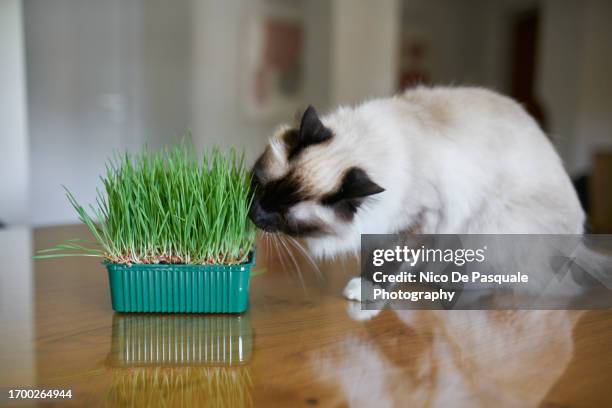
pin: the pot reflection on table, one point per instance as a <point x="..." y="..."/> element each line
<point x="180" y="360"/>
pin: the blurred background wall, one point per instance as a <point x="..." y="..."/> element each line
<point x="115" y="74"/>
<point x="102" y="76"/>
<point x="13" y="120"/>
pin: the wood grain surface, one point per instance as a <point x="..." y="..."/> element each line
<point x="300" y="344"/>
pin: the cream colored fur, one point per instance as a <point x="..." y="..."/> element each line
<point x="452" y="160"/>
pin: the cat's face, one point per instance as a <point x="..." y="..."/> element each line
<point x="305" y="182"/>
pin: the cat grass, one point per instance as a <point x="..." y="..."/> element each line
<point x="168" y="207"/>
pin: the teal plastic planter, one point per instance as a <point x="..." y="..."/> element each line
<point x="165" y="288"/>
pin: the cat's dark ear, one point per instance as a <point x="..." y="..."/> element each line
<point x="355" y="184"/>
<point x="312" y="131"/>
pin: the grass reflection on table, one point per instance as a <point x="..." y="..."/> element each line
<point x="180" y="360"/>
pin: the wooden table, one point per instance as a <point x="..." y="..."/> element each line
<point x="298" y="345"/>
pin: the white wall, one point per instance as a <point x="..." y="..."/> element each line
<point x="364" y="38"/>
<point x="218" y="114"/>
<point x="103" y="75"/>
<point x="13" y="120"/>
<point x="115" y="74"/>
<point x="82" y="97"/>
<point x="165" y="69"/>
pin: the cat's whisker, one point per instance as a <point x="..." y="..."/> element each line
<point x="280" y="250"/>
<point x="295" y="263"/>
<point x="307" y="256"/>
<point x="279" y="254"/>
<point x="266" y="238"/>
<point x="264" y="243"/>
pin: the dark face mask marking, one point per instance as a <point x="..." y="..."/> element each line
<point x="273" y="199"/>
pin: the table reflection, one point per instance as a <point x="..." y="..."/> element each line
<point x="181" y="340"/>
<point x="59" y="332"/>
<point x="180" y="386"/>
<point x="452" y="358"/>
<point x="181" y="360"/>
<point x="16" y="309"/>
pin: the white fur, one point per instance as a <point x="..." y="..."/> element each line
<point x="352" y="290"/>
<point x="451" y="160"/>
<point x="279" y="165"/>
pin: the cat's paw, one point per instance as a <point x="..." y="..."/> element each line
<point x="356" y="313"/>
<point x="352" y="290"/>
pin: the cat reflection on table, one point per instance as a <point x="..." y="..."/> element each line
<point x="452" y="358"/>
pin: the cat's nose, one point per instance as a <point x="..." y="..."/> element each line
<point x="263" y="219"/>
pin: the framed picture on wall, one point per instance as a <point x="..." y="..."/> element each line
<point x="273" y="77"/>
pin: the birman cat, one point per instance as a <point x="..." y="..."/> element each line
<point x="431" y="160"/>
